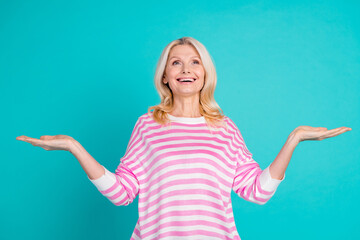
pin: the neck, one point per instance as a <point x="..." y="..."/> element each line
<point x="186" y="106"/>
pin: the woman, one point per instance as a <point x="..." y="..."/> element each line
<point x="184" y="157"/>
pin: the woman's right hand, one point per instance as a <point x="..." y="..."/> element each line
<point x="57" y="142"/>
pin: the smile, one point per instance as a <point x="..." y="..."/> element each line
<point x="186" y="80"/>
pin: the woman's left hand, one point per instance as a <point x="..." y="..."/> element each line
<point x="318" y="133"/>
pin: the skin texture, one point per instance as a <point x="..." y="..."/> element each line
<point x="184" y="61"/>
<point x="301" y="133"/>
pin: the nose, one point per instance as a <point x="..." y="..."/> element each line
<point x="185" y="69"/>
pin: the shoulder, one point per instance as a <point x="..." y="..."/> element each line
<point x="145" y="116"/>
<point x="144" y="119"/>
<point x="229" y="122"/>
<point x="232" y="127"/>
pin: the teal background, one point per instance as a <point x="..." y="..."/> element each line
<point x="85" y="69"/>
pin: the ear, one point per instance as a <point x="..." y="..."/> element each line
<point x="164" y="80"/>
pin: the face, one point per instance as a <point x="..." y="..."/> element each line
<point x="184" y="63"/>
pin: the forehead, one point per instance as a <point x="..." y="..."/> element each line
<point x="183" y="51"/>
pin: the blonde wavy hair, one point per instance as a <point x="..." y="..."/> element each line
<point x="211" y="111"/>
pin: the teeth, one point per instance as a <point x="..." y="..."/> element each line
<point x="186" y="80"/>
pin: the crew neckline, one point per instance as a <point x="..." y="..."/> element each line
<point x="187" y="119"/>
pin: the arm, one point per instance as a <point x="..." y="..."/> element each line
<point x="120" y="188"/>
<point x="301" y="133"/>
<point x="278" y="166"/>
<point x="92" y="168"/>
<point x="250" y="182"/>
<point x="253" y="184"/>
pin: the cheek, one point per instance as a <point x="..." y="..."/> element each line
<point x="200" y="71"/>
<point x="201" y="74"/>
<point x="172" y="72"/>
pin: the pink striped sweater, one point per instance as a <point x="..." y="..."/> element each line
<point x="184" y="174"/>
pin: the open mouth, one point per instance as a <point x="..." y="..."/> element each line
<point x="186" y="79"/>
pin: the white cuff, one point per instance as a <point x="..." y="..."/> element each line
<point x="268" y="183"/>
<point x="105" y="181"/>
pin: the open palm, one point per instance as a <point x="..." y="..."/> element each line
<point x="318" y="133"/>
<point x="57" y="142"/>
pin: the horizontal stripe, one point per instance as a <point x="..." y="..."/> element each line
<point x="183" y="174"/>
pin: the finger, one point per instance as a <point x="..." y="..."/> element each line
<point x="334" y="132"/>
<point x="22" y="137"/>
<point x="32" y="140"/>
<point x="340" y="132"/>
<point x="45" y="137"/>
<point x="344" y="129"/>
<point x="320" y="129"/>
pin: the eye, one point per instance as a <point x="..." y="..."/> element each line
<point x="175" y="62"/>
<point x="196" y="61"/>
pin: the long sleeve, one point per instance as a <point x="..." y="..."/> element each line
<point x="250" y="182"/>
<point x="121" y="187"/>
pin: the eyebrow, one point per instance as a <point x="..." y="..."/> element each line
<point x="179" y="57"/>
